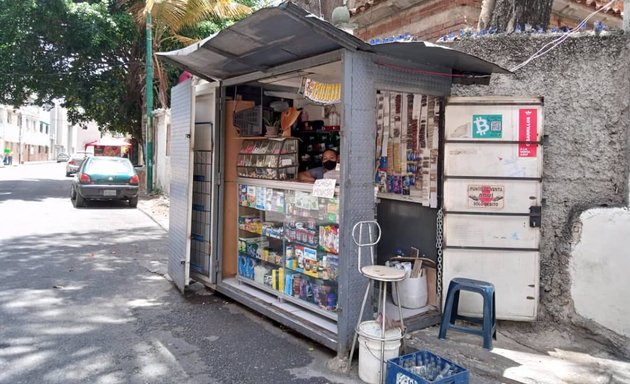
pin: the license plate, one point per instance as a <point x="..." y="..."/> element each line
<point x="109" y="192"/>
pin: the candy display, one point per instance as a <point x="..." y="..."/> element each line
<point x="274" y="159"/>
<point x="329" y="238"/>
<point x="295" y="250"/>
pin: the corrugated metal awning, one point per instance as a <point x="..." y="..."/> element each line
<point x="278" y="35"/>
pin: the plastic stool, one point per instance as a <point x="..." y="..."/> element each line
<point x="383" y="275"/>
<point x="489" y="320"/>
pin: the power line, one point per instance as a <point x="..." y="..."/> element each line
<point x="554" y="43"/>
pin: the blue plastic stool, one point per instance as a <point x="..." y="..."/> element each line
<point x="489" y="320"/>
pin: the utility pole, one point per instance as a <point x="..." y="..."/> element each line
<point x="20" y="137"/>
<point x="149" y="106"/>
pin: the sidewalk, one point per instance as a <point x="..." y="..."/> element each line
<point x="15" y="164"/>
<point x="532" y="353"/>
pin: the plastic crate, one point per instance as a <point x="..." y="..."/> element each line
<point x="401" y="370"/>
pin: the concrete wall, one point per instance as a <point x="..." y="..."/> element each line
<point x="586" y="89"/>
<point x="600" y="265"/>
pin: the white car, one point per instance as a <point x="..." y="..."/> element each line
<point x="75" y="161"/>
<point x="62" y="157"/>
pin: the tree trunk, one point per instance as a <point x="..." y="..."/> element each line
<point x="313" y="6"/>
<point x="508" y="14"/>
<point x="487" y="7"/>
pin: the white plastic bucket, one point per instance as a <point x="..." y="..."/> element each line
<point x="370" y="350"/>
<point x="413" y="292"/>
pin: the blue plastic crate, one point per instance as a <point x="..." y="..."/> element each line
<point x="400" y="370"/>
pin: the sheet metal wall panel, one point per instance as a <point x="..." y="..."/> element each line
<point x="361" y="78"/>
<point x="401" y="80"/>
<point x="492" y="160"/>
<point x="357" y="183"/>
<point x="508" y="195"/>
<point x="515" y="275"/>
<point x="406" y="225"/>
<point x="490" y="231"/>
<point x="181" y="179"/>
<point x="460" y="124"/>
<point x="486" y="139"/>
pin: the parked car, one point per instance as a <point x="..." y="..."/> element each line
<point x="75" y="162"/>
<point x="105" y="178"/>
<point x="62" y="157"/>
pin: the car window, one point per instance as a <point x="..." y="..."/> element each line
<point x="108" y="166"/>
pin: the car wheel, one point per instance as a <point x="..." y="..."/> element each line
<point x="133" y="202"/>
<point x="79" y="201"/>
<point x="73" y="194"/>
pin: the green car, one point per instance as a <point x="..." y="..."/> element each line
<point x="105" y="178"/>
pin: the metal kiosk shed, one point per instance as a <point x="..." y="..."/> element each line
<point x="271" y="49"/>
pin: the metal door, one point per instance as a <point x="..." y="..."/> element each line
<point x="204" y="186"/>
<point x="182" y="141"/>
<point x="492" y="198"/>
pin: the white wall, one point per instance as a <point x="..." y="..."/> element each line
<point x="600" y="268"/>
<point x="162" y="166"/>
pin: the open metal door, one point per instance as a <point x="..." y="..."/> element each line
<point x="202" y="258"/>
<point x="182" y="137"/>
<point x="492" y="200"/>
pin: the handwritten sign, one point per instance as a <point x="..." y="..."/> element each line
<point x="324" y="188"/>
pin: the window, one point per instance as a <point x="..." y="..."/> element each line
<point x="9" y="118"/>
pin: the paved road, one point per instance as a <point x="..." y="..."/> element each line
<point x="83" y="300"/>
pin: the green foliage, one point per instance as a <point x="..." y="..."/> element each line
<point x="91" y="55"/>
<point x="79" y="52"/>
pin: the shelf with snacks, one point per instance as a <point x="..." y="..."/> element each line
<point x="305" y="205"/>
<point x="259" y="248"/>
<point x="316" y="294"/>
<point x="302" y="293"/>
<point x="273" y="159"/>
<point x="304" y="244"/>
<point x="254" y="224"/>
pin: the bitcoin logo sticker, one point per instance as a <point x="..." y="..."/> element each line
<point x="481" y="126"/>
<point x="487" y="126"/>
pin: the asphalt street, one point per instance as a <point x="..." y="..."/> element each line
<point x="83" y="299"/>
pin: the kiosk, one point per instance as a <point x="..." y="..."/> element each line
<point x="242" y="224"/>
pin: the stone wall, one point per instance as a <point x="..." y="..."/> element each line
<point x="586" y="89"/>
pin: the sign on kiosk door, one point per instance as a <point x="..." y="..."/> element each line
<point x="492" y="194"/>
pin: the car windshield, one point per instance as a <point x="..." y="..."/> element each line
<point x="112" y="166"/>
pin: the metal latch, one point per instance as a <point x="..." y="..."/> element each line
<point x="535" y="213"/>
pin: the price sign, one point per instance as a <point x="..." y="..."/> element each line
<point x="324" y="188"/>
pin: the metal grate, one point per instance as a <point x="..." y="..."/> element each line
<point x="249" y="122"/>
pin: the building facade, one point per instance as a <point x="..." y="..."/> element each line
<point x="26" y="134"/>
<point x="32" y="133"/>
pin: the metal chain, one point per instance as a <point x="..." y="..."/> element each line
<point x="438" y="244"/>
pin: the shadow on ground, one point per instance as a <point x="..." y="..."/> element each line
<point x="93" y="306"/>
<point x="24" y="189"/>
